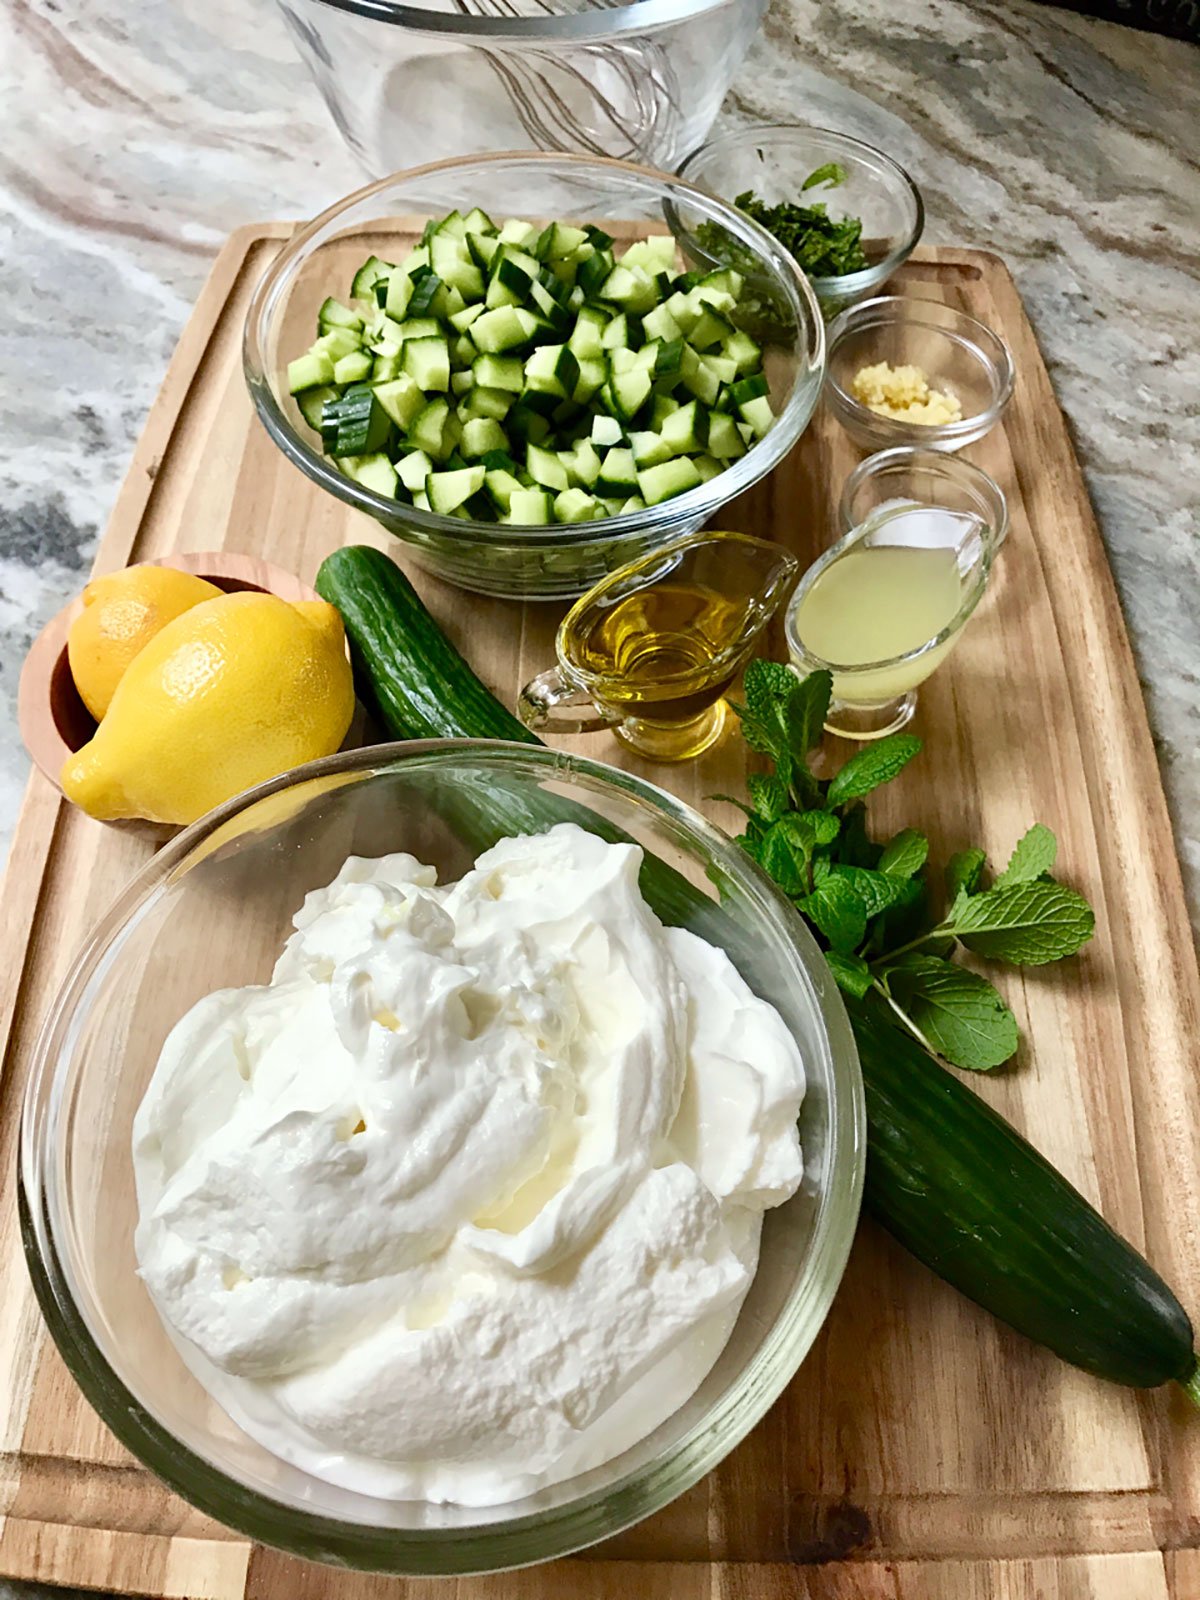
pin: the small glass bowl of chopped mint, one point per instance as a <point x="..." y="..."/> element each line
<point x="846" y="212"/>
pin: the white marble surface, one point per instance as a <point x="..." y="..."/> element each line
<point x="138" y="135"/>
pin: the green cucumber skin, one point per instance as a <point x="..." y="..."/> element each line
<point x="973" y="1200"/>
<point x="949" y="1178"/>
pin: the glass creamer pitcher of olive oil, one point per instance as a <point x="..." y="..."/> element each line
<point x="885" y="606"/>
<point x="652" y="649"/>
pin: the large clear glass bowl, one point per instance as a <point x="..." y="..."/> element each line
<point x="555" y="561"/>
<point x="641" y="80"/>
<point x="213" y="909"/>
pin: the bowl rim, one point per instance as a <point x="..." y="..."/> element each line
<point x="888" y="310"/>
<point x="583" y="22"/>
<point x="552" y="1532"/>
<point x="936" y="461"/>
<point x="839" y="284"/>
<point x="695" y="504"/>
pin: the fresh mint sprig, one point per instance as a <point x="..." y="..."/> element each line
<point x="869" y="902"/>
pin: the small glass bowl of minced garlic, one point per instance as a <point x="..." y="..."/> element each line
<point x="903" y="370"/>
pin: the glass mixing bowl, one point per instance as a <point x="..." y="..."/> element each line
<point x="554" y="561"/>
<point x="638" y="79"/>
<point x="213" y="909"/>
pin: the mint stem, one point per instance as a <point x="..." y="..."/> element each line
<point x="940" y="932"/>
<point x="910" y="1026"/>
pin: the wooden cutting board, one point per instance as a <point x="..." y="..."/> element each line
<point x="923" y="1452"/>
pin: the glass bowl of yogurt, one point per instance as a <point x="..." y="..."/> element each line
<point x="441" y="1156"/>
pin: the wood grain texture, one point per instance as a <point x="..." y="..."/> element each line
<point x="923" y="1452"/>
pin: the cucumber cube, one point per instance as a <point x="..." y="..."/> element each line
<point x="671" y="478"/>
<point x="402" y="399"/>
<point x="449" y="490"/>
<point x="427" y="361"/>
<point x="413" y="469"/>
<point x="530" y="506"/>
<point x="377" y="472"/>
<point x="309" y="370"/>
<point x="480" y="435"/>
<point x="606" y="431"/>
<point x="545" y="468"/>
<point x="649" y="449"/>
<point x="575" y="505"/>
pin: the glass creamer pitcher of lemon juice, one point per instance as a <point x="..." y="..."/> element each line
<point x="885" y="606"/>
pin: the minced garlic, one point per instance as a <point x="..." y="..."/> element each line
<point x="904" y="394"/>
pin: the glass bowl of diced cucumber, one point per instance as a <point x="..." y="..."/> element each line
<point x="508" y="362"/>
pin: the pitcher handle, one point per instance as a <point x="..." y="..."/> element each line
<point x="549" y="700"/>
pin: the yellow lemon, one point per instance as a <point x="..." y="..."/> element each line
<point x="235" y="690"/>
<point x="121" y="613"/>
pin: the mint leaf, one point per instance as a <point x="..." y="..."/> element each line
<point x="784" y="860"/>
<point x="837" y="910"/>
<point x="877" y="764"/>
<point x="958" y="1013"/>
<point x="905" y="855"/>
<point x="1033" y="858"/>
<point x="766" y="685"/>
<point x="765" y="738"/>
<point x="832" y="173"/>
<point x="964" y="871"/>
<point x="809" y="829"/>
<point x="1025" y="923"/>
<point x="769" y="794"/>
<point x="877" y="891"/>
<point x="852" y="973"/>
<point x="807" y="708"/>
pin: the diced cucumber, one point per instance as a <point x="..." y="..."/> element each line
<point x="501" y="486"/>
<point x="671" y="478"/>
<point x="630" y="288"/>
<point x="428" y="362"/>
<point x="724" y="440"/>
<point x="634" y="503"/>
<point x="333" y="314"/>
<point x="428" y="432"/>
<point x="312" y="403"/>
<point x="461" y="381"/>
<point x="575" y="505"/>
<point x="449" y="490"/>
<point x="593" y="371"/>
<point x="413" y="469"/>
<point x="494" y="403"/>
<point x="506" y="328"/>
<point x="586" y="336"/>
<point x="310" y="371"/>
<point x="708" y="467"/>
<point x="462" y="320"/>
<point x="686" y="430"/>
<point x="630" y="391"/>
<point x="478" y="221"/>
<point x="499" y="372"/>
<point x="758" y="414"/>
<point x="530" y="506"/>
<point x="606" y="431"/>
<point x="451" y="260"/>
<point x="399" y="294"/>
<point x="585" y="464"/>
<point x="557" y="240"/>
<point x="367" y="275"/>
<point x="662" y="408"/>
<point x="742" y="350"/>
<point x="653" y="255"/>
<point x="482" y="434"/>
<point x="594" y="272"/>
<point x="683" y="312"/>
<point x="545" y="468"/>
<point x="353" y="368"/>
<point x="722" y="367"/>
<point x="482" y="248"/>
<point x="711" y="329"/>
<point x="618" y="475"/>
<point x="425" y="287"/>
<point x="376" y="472"/>
<point x="386" y="367"/>
<point x="699" y="379"/>
<point x="403" y="399"/>
<point x="517" y="232"/>
<point x="552" y="369"/>
<point x="660" y="324"/>
<point x="363" y="426"/>
<point x="751" y="388"/>
<point x="649" y="449"/>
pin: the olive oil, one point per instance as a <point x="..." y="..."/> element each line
<point x="662" y="654"/>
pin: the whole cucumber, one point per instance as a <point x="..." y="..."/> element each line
<point x="956" y="1184"/>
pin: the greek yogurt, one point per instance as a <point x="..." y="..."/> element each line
<point x="466" y="1200"/>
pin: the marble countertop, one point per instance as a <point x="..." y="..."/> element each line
<point x="139" y="136"/>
